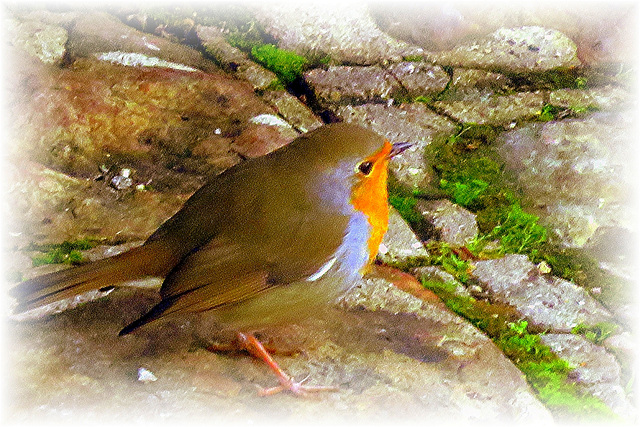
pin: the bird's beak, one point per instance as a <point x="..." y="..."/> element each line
<point x="398" y="148"/>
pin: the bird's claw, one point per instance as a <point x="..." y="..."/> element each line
<point x="297" y="388"/>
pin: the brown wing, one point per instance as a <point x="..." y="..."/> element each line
<point x="213" y="276"/>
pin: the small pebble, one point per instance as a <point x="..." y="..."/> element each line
<point x="544" y="268"/>
<point x="120" y="182"/>
<point x="146" y="376"/>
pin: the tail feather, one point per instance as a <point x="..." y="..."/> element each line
<point x="153" y="259"/>
<point x="156" y="312"/>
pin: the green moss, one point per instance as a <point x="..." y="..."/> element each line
<point x="287" y="65"/>
<point x="61" y="253"/>
<point x="596" y="333"/>
<point x="442" y="254"/>
<point x="423" y="99"/>
<point x="554" y="79"/>
<point x="562" y="396"/>
<point x="548" y="374"/>
<point x="413" y="58"/>
<point x="519" y="232"/>
<point x="442" y="287"/>
<point x="581" y="82"/>
<point x="405" y="207"/>
<point x="475" y="179"/>
<point x="550" y="112"/>
<point x="464" y="194"/>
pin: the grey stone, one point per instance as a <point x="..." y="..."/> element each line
<point x="548" y="302"/>
<point x="233" y="60"/>
<point x="51" y="207"/>
<point x="578" y="170"/>
<point x="342" y="85"/>
<point x="44" y="41"/>
<point x="601" y="98"/>
<point x="601" y="31"/>
<point x="420" y="79"/>
<point x="400" y="243"/>
<point x="437" y="274"/>
<point x="578" y="178"/>
<point x="595" y="371"/>
<point x="345" y="33"/>
<point x="517" y="50"/>
<point x="470" y="84"/>
<point x="414" y="123"/>
<point x="455" y="225"/>
<point x="295" y="112"/>
<point x="496" y="110"/>
<point x="98" y="33"/>
<point x="625" y="347"/>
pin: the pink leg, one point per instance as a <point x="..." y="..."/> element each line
<point x="256" y="349"/>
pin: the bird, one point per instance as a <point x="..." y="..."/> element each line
<point x="266" y="242"/>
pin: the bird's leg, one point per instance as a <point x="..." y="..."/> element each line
<point x="256" y="349"/>
<point x="237" y="346"/>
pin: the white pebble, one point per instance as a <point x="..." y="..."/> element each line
<point x="146" y="376"/>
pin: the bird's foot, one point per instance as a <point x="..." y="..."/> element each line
<point x="297" y="388"/>
<point x="255" y="348"/>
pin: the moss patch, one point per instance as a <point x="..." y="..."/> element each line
<point x="470" y="174"/>
<point x="550" y="112"/>
<point x="287" y="65"/>
<point x="61" y="253"/>
<point x="474" y="177"/>
<point x="548" y="374"/>
<point x="596" y="333"/>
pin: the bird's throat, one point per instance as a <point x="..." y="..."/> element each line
<point x="370" y="198"/>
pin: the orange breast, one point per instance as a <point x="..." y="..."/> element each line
<point x="370" y="197"/>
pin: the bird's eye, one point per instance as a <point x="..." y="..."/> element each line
<point x="365" y="167"/>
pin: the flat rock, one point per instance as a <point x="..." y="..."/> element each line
<point x="469" y="84"/>
<point x="496" y="110"/>
<point x="414" y="123"/>
<point x="595" y="371"/>
<point x="233" y="60"/>
<point x="607" y="97"/>
<point x="601" y="31"/>
<point x="344" y="33"/>
<point x="98" y="33"/>
<point x="545" y="301"/>
<point x="150" y="120"/>
<point x="45" y="42"/>
<point x="343" y="85"/>
<point x="577" y="170"/>
<point x="293" y="110"/>
<point x="51" y="207"/>
<point x="264" y="137"/>
<point x="391" y="355"/>
<point x="625" y="347"/>
<point x="515" y="50"/>
<point x="420" y="79"/>
<point x="454" y="224"/>
<point x="400" y="243"/>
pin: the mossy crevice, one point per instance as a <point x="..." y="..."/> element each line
<point x="287" y="65"/>
<point x="67" y="252"/>
<point x="472" y="175"/>
<point x="548" y="374"/>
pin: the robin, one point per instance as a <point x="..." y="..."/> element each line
<point x="266" y="242"/>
